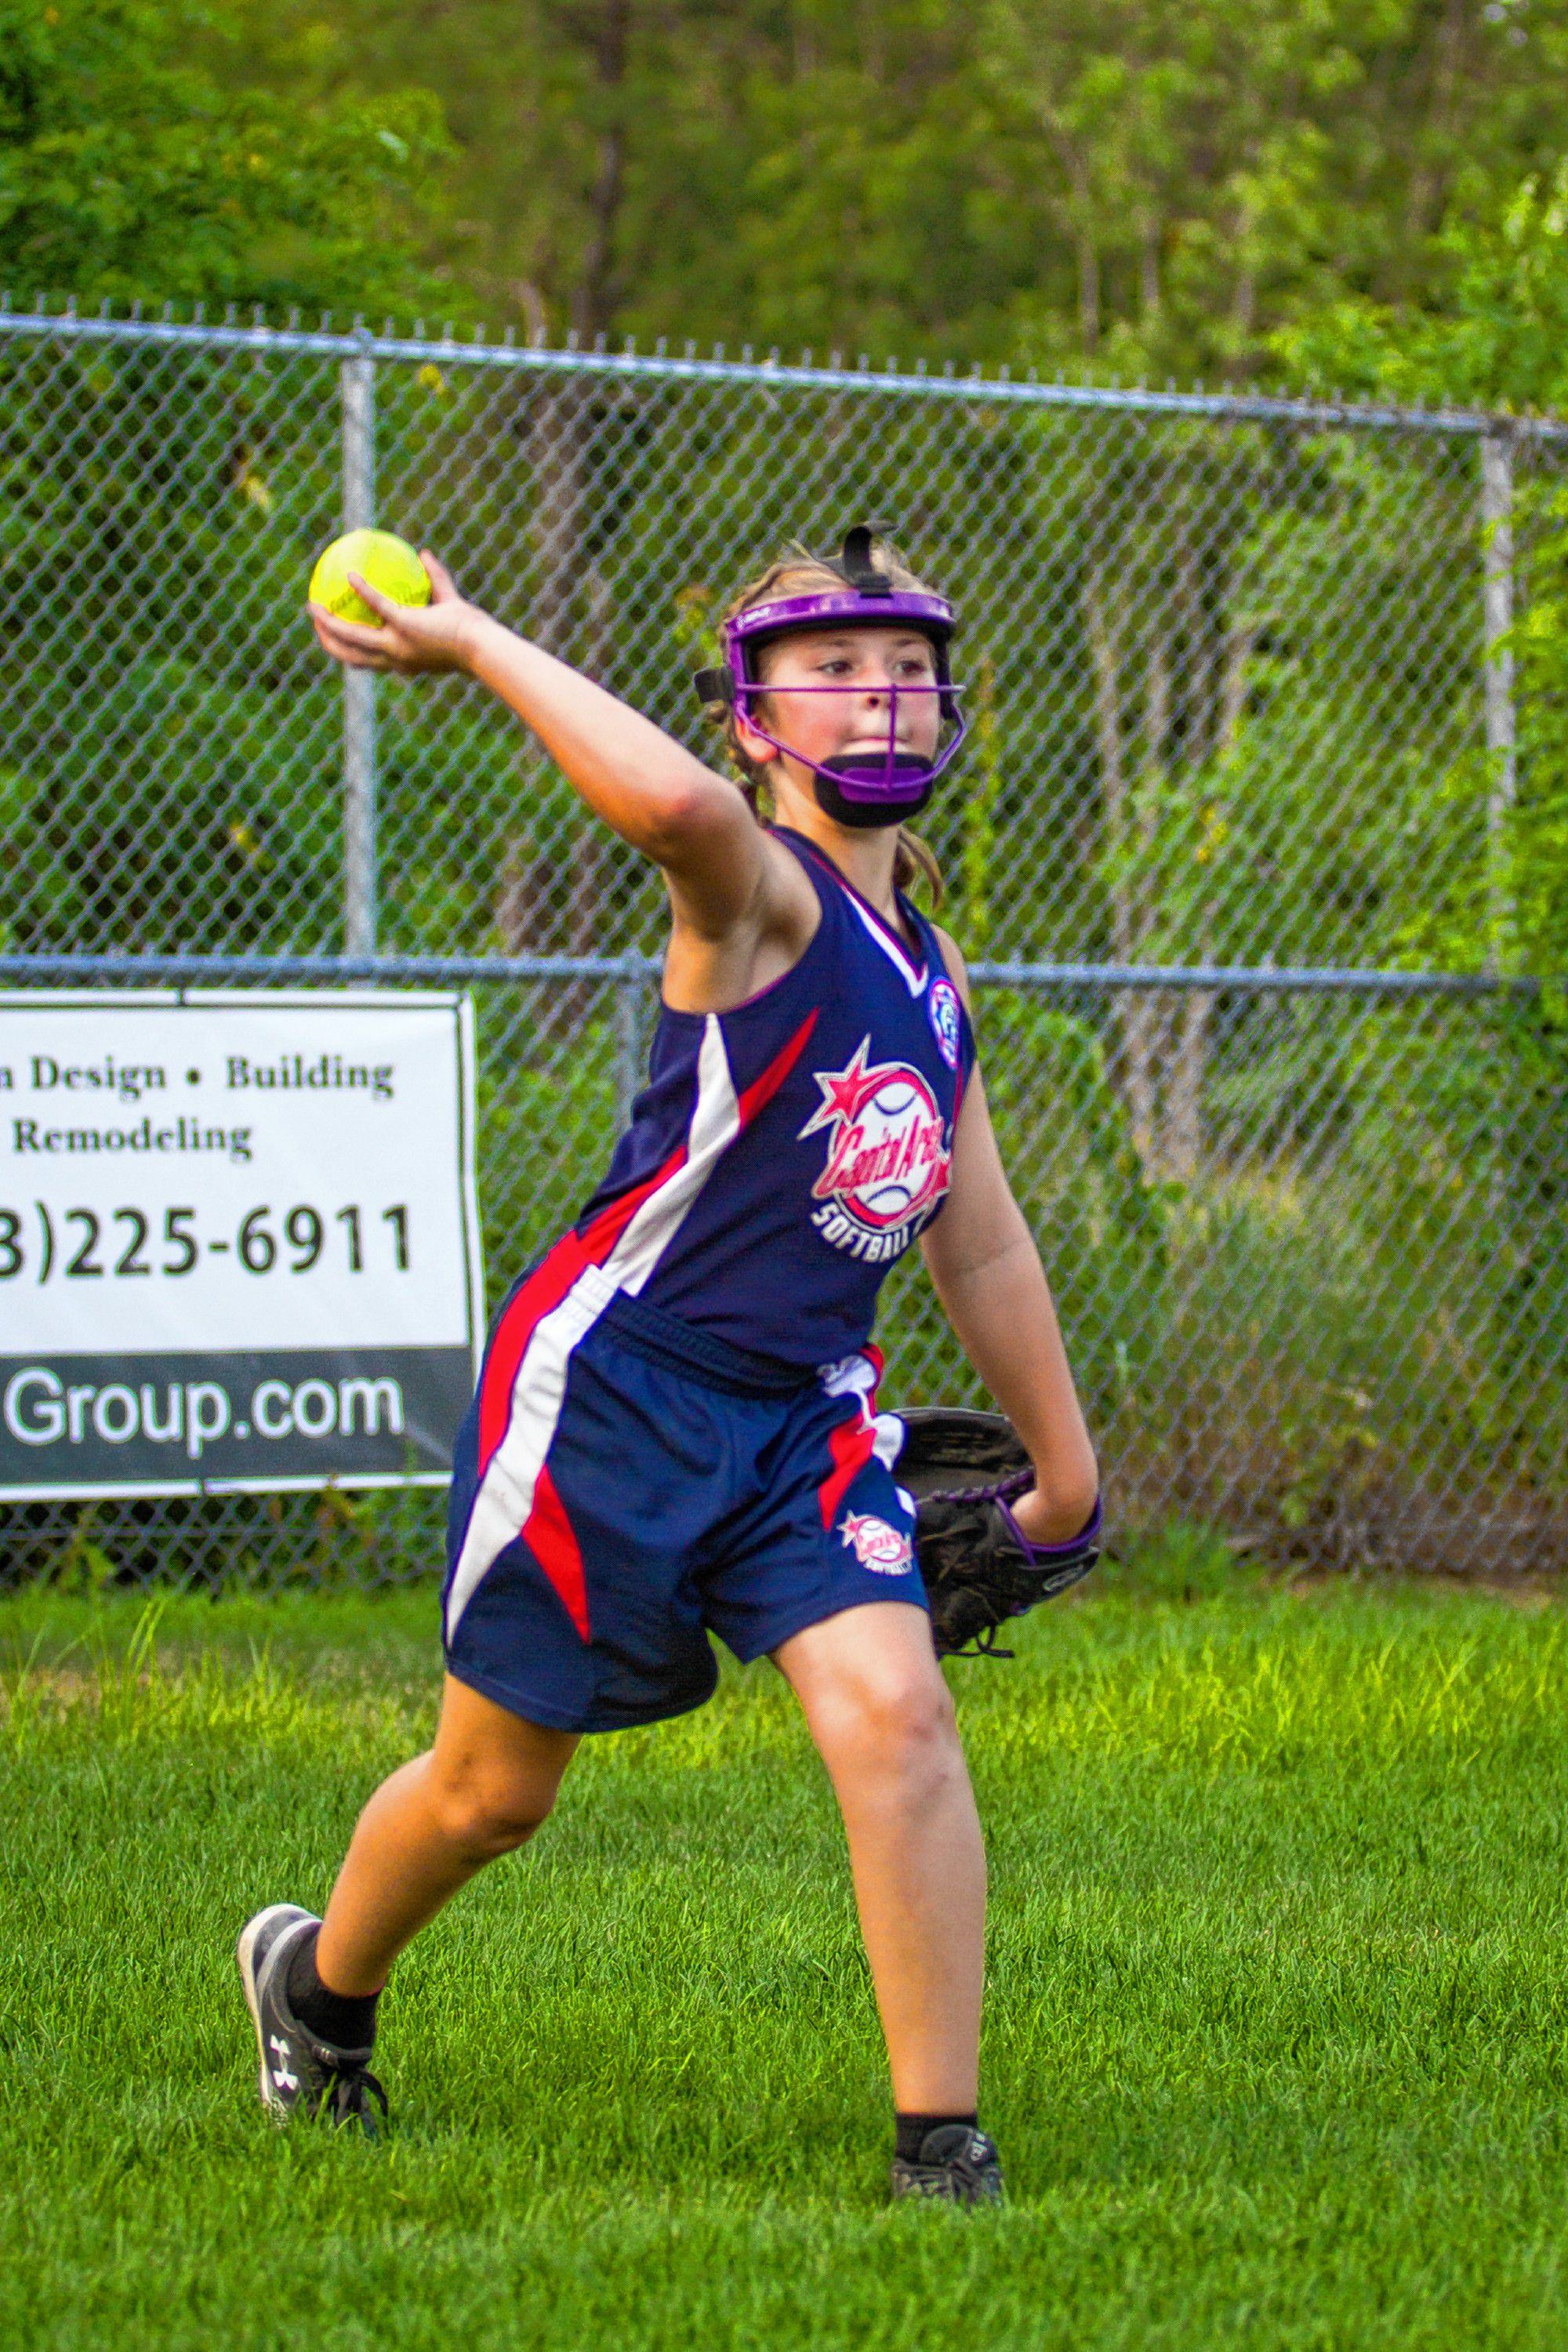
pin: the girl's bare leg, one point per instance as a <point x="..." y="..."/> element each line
<point x="482" y="1790"/>
<point x="879" y="1712"/>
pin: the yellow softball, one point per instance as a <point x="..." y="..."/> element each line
<point x="388" y="562"/>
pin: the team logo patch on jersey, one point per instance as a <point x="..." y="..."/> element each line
<point x="942" y="1004"/>
<point x="885" y="1549"/>
<point x="887" y="1160"/>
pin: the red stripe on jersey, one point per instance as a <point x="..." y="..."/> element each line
<point x="763" y="1089"/>
<point x="550" y="1280"/>
<point x="545" y="1288"/>
<point x="548" y="1533"/>
<point x="601" y="1236"/>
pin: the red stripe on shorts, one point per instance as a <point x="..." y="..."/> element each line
<point x="853" y="1442"/>
<point x="548" y="1533"/>
<point x="850" y="1445"/>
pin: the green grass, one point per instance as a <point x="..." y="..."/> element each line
<point x="1277" y="2028"/>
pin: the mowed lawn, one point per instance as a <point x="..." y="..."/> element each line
<point x="1277" y="2036"/>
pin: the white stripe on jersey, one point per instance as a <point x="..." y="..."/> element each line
<point x="913" y="980"/>
<point x="715" y="1124"/>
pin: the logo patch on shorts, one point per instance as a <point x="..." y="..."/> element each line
<point x="886" y="1550"/>
<point x="942" y="1005"/>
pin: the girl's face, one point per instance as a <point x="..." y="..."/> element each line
<point x="863" y="664"/>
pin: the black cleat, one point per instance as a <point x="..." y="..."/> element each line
<point x="957" y="2165"/>
<point x="298" y="2071"/>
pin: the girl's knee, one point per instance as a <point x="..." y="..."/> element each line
<point x="488" y="1812"/>
<point x="904" y="1719"/>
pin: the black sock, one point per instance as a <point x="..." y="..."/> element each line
<point x="345" y="2020"/>
<point x="912" y="2130"/>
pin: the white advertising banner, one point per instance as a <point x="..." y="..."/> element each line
<point x="239" y="1242"/>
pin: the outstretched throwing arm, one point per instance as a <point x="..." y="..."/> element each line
<point x="646" y="786"/>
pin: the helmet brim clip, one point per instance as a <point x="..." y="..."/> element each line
<point x="715" y="686"/>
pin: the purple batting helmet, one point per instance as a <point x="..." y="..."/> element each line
<point x="877" y="789"/>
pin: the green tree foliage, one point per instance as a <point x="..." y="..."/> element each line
<point x="1491" y="329"/>
<point x="1140" y="186"/>
<point x="1498" y="339"/>
<point x="1493" y="332"/>
<point x="1218" y="170"/>
<point x="128" y="169"/>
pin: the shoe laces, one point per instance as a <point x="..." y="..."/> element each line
<point x="353" y="2096"/>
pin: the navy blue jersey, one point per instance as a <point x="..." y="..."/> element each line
<point x="785" y="1153"/>
<point x="781" y="1157"/>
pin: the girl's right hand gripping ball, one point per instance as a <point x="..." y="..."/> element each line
<point x="388" y="562"/>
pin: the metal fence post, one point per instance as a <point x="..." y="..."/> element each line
<point x="629" y="1002"/>
<point x="358" y="378"/>
<point x="1497" y="558"/>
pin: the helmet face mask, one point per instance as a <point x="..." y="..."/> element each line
<point x="865" y="787"/>
<point x="868" y="789"/>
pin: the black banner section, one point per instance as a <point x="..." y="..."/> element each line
<point x="173" y="1423"/>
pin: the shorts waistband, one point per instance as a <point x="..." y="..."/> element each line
<point x="680" y="1347"/>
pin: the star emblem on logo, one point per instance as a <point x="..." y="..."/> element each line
<point x="844" y="1091"/>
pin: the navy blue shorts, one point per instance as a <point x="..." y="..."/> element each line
<point x="623" y="1483"/>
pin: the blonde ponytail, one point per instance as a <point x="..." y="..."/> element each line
<point x="915" y="866"/>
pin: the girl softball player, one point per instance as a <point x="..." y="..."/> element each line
<point x="675" y="1426"/>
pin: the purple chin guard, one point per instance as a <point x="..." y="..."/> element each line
<point x="873" y="787"/>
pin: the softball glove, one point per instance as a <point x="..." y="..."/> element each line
<point x="964" y="1470"/>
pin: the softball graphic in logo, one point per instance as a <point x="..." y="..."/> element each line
<point x="888" y="1160"/>
<point x="877" y="1545"/>
<point x="943" y="1006"/>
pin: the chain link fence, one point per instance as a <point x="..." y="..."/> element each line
<point x="1241" y="685"/>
